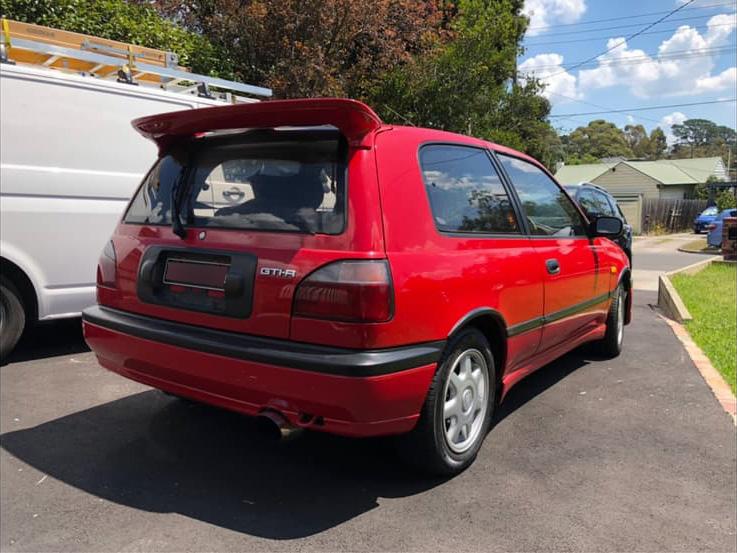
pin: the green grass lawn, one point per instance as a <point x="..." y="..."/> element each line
<point x="711" y="297"/>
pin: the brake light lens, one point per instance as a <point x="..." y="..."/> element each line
<point x="351" y="291"/>
<point x="712" y="226"/>
<point x="106" y="271"/>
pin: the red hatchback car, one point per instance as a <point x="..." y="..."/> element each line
<point x="301" y="261"/>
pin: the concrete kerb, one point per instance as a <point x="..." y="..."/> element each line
<point x="668" y="299"/>
<point x="713" y="378"/>
<point x="676" y="312"/>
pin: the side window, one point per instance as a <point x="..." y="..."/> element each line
<point x="594" y="203"/>
<point x="606" y="206"/>
<point x="466" y="193"/>
<point x="547" y="208"/>
<point x="616" y="210"/>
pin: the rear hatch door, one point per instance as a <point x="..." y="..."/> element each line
<point x="258" y="210"/>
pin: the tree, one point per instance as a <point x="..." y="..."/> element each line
<point x="726" y="135"/>
<point x="726" y="200"/>
<point x="638" y="140"/>
<point x="127" y="22"/>
<point x="467" y="83"/>
<point x="657" y="144"/>
<point x="701" y="190"/>
<point x="695" y="132"/>
<point x="304" y="48"/>
<point x="704" y="138"/>
<point x="583" y="160"/>
<point x="598" y="139"/>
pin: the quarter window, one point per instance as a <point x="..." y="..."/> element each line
<point x="465" y="191"/>
<point x="549" y="211"/>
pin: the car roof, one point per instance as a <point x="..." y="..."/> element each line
<point x="580" y="185"/>
<point x="426" y="135"/>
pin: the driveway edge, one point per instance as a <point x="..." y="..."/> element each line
<point x="668" y="299"/>
<point x="716" y="381"/>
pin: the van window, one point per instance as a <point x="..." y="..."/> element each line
<point x="292" y="181"/>
<point x="466" y="193"/>
<point x="549" y="211"/>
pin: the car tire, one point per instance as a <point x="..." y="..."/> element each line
<point x="611" y="345"/>
<point x="450" y="433"/>
<point x="12" y="317"/>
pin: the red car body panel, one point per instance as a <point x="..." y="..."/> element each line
<point x="350" y="406"/>
<point x="440" y="283"/>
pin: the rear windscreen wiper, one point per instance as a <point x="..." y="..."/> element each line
<point x="176" y="200"/>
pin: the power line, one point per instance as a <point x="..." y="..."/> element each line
<point x="646" y="58"/>
<point x="668" y="106"/>
<point x="608" y="109"/>
<point x="592" y="38"/>
<point x="629" y="26"/>
<point x="630" y="37"/>
<point x="729" y="3"/>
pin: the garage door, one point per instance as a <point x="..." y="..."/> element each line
<point x="631" y="206"/>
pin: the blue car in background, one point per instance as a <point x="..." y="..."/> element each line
<point x="704" y="219"/>
<point x="714" y="238"/>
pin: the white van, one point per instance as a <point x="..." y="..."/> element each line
<point x="69" y="162"/>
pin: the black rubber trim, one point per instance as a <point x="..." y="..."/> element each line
<point x="526" y="326"/>
<point x="556" y="315"/>
<point x="283" y="353"/>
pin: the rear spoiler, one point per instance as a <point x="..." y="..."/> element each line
<point x="354" y="119"/>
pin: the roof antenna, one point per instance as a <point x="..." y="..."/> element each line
<point x="395" y="112"/>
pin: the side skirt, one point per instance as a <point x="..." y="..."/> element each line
<point x="548" y="356"/>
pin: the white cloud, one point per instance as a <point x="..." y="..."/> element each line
<point x="560" y="85"/>
<point x="726" y="80"/>
<point x="630" y="119"/>
<point x="675" y="118"/>
<point x="544" y="12"/>
<point x="671" y="72"/>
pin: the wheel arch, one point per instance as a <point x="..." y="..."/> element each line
<point x="23" y="284"/>
<point x="492" y="325"/>
<point x="625" y="280"/>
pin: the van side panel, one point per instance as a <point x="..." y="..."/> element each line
<point x="69" y="163"/>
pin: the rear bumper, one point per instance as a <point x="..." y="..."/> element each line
<point x="349" y="392"/>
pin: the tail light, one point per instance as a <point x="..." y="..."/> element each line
<point x="106" y="271"/>
<point x="712" y="226"/>
<point x="351" y="291"/>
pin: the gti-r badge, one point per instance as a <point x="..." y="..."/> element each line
<point x="281" y="273"/>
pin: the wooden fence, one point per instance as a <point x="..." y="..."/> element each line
<point x="670" y="215"/>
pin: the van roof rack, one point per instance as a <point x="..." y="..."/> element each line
<point x="36" y="45"/>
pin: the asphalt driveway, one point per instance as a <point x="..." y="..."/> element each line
<point x="633" y="454"/>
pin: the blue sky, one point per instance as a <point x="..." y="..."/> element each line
<point x="689" y="57"/>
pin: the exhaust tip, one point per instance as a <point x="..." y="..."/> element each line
<point x="274" y="427"/>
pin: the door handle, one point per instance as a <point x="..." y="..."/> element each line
<point x="552" y="266"/>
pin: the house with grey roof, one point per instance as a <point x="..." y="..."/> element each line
<point x="632" y="181"/>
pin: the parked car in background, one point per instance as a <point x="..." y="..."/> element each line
<point x="375" y="280"/>
<point x="714" y="238"/>
<point x="705" y="218"/>
<point x="596" y="202"/>
<point x="69" y="163"/>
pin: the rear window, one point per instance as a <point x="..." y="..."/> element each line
<point x="273" y="181"/>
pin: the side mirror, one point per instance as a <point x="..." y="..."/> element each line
<point x="609" y="227"/>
